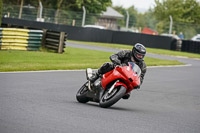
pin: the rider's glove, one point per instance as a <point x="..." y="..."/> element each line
<point x="124" y="64"/>
<point x="117" y="62"/>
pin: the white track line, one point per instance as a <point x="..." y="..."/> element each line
<point x="84" y="69"/>
<point x="170" y="66"/>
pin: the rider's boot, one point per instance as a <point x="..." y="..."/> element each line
<point x="94" y="77"/>
<point x="126" y="96"/>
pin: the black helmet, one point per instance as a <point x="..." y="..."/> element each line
<point x="138" y="52"/>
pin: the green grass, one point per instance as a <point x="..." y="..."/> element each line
<point x="149" y="50"/>
<point x="73" y="58"/>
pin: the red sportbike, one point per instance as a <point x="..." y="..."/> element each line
<point x="111" y="86"/>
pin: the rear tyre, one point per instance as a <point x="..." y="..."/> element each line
<point x="108" y="100"/>
<point x="81" y="94"/>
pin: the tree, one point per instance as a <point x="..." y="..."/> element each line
<point x="181" y="10"/>
<point x="150" y="19"/>
<point x="184" y="13"/>
<point x="1" y="6"/>
<point x="59" y="2"/>
<point x="141" y="22"/>
<point x="61" y="7"/>
<point x="132" y="16"/>
<point x="122" y="11"/>
<point x="92" y="6"/>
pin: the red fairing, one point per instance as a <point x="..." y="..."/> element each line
<point x="125" y="75"/>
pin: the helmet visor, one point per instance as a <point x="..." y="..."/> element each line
<point x="139" y="56"/>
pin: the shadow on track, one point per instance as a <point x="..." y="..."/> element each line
<point x="114" y="108"/>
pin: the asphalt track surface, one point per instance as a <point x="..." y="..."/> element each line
<point x="44" y="102"/>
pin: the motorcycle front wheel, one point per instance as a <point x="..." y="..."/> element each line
<point x="108" y="99"/>
<point x="81" y="94"/>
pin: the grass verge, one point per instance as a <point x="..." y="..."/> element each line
<point x="149" y="50"/>
<point x="73" y="58"/>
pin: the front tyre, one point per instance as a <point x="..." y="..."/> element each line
<point x="108" y="99"/>
<point x="81" y="94"/>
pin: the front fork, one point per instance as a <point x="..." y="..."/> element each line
<point x="89" y="85"/>
<point x="96" y="90"/>
<point x="112" y="87"/>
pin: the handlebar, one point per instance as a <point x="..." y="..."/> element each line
<point x="121" y="65"/>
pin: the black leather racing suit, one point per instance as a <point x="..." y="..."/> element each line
<point x="122" y="57"/>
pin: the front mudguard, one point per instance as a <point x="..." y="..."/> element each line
<point x="120" y="84"/>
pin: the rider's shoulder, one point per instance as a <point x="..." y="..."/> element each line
<point x="142" y="63"/>
<point x="125" y="52"/>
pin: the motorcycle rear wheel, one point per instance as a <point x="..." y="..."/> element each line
<point x="108" y="100"/>
<point x="81" y="94"/>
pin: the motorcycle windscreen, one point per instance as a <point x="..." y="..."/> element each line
<point x="135" y="68"/>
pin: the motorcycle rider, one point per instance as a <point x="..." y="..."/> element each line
<point x="123" y="57"/>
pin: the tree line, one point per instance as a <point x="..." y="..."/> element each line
<point x="185" y="13"/>
<point x="92" y="6"/>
